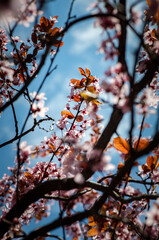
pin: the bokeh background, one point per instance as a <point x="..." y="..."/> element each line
<point x="81" y="49"/>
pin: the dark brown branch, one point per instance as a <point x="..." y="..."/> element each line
<point x="126" y="169"/>
<point x="122" y="38"/>
<point x="67" y="184"/>
<point x="128" y="222"/>
<point x="14" y="115"/>
<point x="30" y="79"/>
<point x="39" y="192"/>
<point x="66" y="221"/>
<point x="104" y="139"/>
<point x="24" y="133"/>
<point x="140" y="197"/>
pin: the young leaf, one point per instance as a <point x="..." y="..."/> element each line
<point x="44" y="20"/>
<point x="121" y="145"/>
<point x="58" y="43"/>
<point x="143" y="143"/>
<point x="87" y="72"/>
<point x="53" y="31"/>
<point x="28" y="176"/>
<point x="120" y="165"/>
<point x="82" y="72"/>
<point x="88" y="95"/>
<point x="34" y="38"/>
<point x="96" y="102"/>
<point x="76" y="98"/>
<point x="52" y="146"/>
<point x="92" y="232"/>
<point x="92" y="89"/>
<point x="151" y="162"/>
<point x="77" y="83"/>
<point x="67" y="114"/>
<point x="91" y="223"/>
<point x="148" y="2"/>
<point x="79" y="118"/>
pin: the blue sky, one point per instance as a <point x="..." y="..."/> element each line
<point x="79" y="50"/>
<point x="81" y="43"/>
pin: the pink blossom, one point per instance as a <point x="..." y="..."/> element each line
<point x="16" y="39"/>
<point x="39" y="109"/>
<point x="6" y="69"/>
<point x="38" y="97"/>
<point x="153" y="214"/>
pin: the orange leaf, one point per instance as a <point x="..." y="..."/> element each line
<point x="52" y="23"/>
<point x="91" y="89"/>
<point x="28" y="176"/>
<point x="148" y="2"/>
<point x="135" y="164"/>
<point x="145" y="168"/>
<point x="90" y="80"/>
<point x="79" y="118"/>
<point x="120" y="165"/>
<point x="52" y="146"/>
<point x="67" y="114"/>
<point x="58" y="44"/>
<point x="92" y="232"/>
<point x="76" y="98"/>
<point x="91" y="221"/>
<point x="121" y="145"/>
<point x="77" y="83"/>
<point x="82" y="72"/>
<point x="88" y="72"/>
<point x="44" y="20"/>
<point x="154" y="34"/>
<point x="151" y="162"/>
<point x="53" y="31"/>
<point x="143" y="143"/>
<point x="105" y="226"/>
<point x="44" y="154"/>
<point x="96" y="102"/>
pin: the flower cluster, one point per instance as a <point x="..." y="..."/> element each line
<point x="38" y="107"/>
<point x="121" y="200"/>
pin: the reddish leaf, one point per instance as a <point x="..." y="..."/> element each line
<point x="58" y="43"/>
<point x="28" y="176"/>
<point x="34" y="38"/>
<point x="76" y="98"/>
<point x="90" y="80"/>
<point x="79" y="118"/>
<point x="87" y="72"/>
<point x="143" y="143"/>
<point x="121" y="145"/>
<point x="145" y="168"/>
<point x="91" y="223"/>
<point x="35" y="51"/>
<point x="53" y="31"/>
<point x="52" y="146"/>
<point x="52" y="23"/>
<point x="91" y="89"/>
<point x="77" y="83"/>
<point x="82" y="72"/>
<point x="44" y="20"/>
<point x="135" y="164"/>
<point x="92" y="232"/>
<point x="151" y="162"/>
<point x="67" y="114"/>
<point x="120" y="165"/>
<point x="148" y="2"/>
